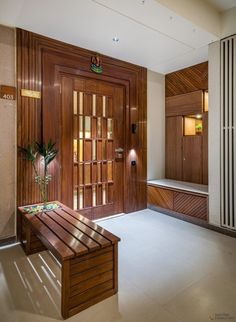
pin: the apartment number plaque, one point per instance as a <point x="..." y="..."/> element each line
<point x="30" y="93"/>
<point x="7" y="92"/>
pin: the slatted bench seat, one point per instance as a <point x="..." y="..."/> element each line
<point x="88" y="254"/>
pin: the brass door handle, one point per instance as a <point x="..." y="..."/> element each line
<point x="119" y="150"/>
<point x="119" y="153"/>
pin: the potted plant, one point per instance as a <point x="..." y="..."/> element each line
<point x="198" y="128"/>
<point x="45" y="153"/>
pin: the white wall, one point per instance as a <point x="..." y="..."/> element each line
<point x="155" y="125"/>
<point x="229" y="23"/>
<point x="214" y="133"/>
<point x="228" y="28"/>
<point x="7" y="135"/>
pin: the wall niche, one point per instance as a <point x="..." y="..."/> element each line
<point x="187" y="124"/>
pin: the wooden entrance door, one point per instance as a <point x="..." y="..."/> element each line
<point x="192" y="158"/>
<point x="92" y="146"/>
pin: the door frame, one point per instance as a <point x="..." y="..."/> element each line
<point x="38" y="57"/>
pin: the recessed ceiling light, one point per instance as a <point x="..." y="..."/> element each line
<point x="198" y="116"/>
<point x="115" y="39"/>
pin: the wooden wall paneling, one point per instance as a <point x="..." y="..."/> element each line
<point x="205" y="148"/>
<point x="66" y="142"/>
<point x="185" y="104"/>
<point x="38" y="60"/>
<point x="118" y="167"/>
<point x="187" y="80"/>
<point x="192" y="158"/>
<point x="50" y="105"/>
<point x="160" y="197"/>
<point x="138" y="143"/>
<point x="174" y="132"/>
<point x="190" y="204"/>
<point x="27" y="109"/>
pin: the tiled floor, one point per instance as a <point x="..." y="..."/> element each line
<point x="169" y="271"/>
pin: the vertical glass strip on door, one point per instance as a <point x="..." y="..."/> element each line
<point x="92" y="150"/>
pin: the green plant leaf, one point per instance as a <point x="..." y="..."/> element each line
<point x="29" y="153"/>
<point x="47" y="151"/>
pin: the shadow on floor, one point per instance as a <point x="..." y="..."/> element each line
<point x="33" y="283"/>
<point x="31" y="290"/>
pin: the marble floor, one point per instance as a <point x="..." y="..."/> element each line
<point x="169" y="271"/>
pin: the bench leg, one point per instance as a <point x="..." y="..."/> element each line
<point x="65" y="288"/>
<point x="115" y="259"/>
<point x="29" y="241"/>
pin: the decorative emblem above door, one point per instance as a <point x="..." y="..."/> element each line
<point x="96" y="66"/>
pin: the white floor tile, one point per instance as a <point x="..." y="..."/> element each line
<point x="169" y="271"/>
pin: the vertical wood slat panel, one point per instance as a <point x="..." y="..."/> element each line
<point x="28" y="115"/>
<point x="228" y="165"/>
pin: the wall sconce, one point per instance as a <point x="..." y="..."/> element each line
<point x="133" y="157"/>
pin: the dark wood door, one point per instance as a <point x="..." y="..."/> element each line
<point x="92" y="141"/>
<point x="174" y="133"/>
<point x="192" y="158"/>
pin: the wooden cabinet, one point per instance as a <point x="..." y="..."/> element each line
<point x="182" y="202"/>
<point x="160" y="197"/>
<point x="191" y="204"/>
<point x="192" y="158"/>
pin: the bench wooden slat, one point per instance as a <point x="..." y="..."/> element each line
<point x="90" y="263"/>
<point x="91" y="282"/>
<point x="103" y="242"/>
<point x="91" y="293"/>
<point x="73" y="243"/>
<point x="77" y="278"/>
<point x="54" y="244"/>
<point x="92" y="254"/>
<point x="112" y="238"/>
<point x="84" y="239"/>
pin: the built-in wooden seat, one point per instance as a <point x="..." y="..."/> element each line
<point x="184" y="199"/>
<point x="87" y="252"/>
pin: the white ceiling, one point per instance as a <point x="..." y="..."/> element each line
<point x="222" y="5"/>
<point x="149" y="34"/>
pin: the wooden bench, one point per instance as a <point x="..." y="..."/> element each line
<point x="88" y="254"/>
